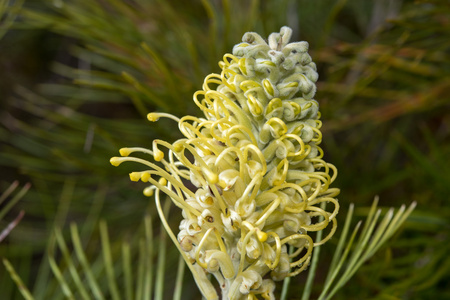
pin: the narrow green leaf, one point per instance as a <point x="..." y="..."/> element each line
<point x="8" y="191"/>
<point x="108" y="261"/>
<point x="341" y="260"/>
<point x="14" y="200"/>
<point x="160" y="268"/>
<point x="179" y="279"/>
<point x="148" y="280"/>
<point x="342" y="240"/>
<point x="92" y="282"/>
<point x="127" y="273"/>
<point x="15" y="277"/>
<point x="60" y="277"/>
<point x="70" y="264"/>
<point x="141" y="271"/>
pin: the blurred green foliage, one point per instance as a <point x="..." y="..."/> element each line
<point x="78" y="77"/>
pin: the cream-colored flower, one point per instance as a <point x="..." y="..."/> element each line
<point x="256" y="163"/>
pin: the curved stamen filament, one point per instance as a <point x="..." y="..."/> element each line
<point x="297" y="187"/>
<point x="204" y="146"/>
<point x="200" y="246"/>
<point x="260" y="155"/>
<point x="249" y="84"/>
<point x="218" y="104"/>
<point x="225" y="156"/>
<point x="243" y="129"/>
<point x="318" y="123"/>
<point x="321" y="154"/>
<point x="177" y="200"/>
<point x="243" y="249"/>
<point x="216" y="125"/>
<point x="277" y="250"/>
<point x="216" y="78"/>
<point x="299" y="270"/>
<point x="268" y="211"/>
<point x="154" y="116"/>
<point x="231" y="57"/>
<point x="196" y="126"/>
<point x="225" y="263"/>
<point x="327" y="199"/>
<point x="211" y="78"/>
<point x="211" y="176"/>
<point x="172" y="166"/>
<point x="161" y="172"/>
<point x="309" y="243"/>
<point x="190" y="131"/>
<point x="319" y="212"/>
<point x="201" y="105"/>
<point x="285" y="165"/>
<point x="228" y="74"/>
<point x="317" y="139"/>
<point x="232" y="106"/>
<point x="219" y="198"/>
<point x="300" y="142"/>
<point x="254" y="184"/>
<point x="262" y="236"/>
<point x="282" y="128"/>
<point x="305" y="154"/>
<point x="127" y="151"/>
<point x="196" y="171"/>
<point x="323" y="177"/>
<point x="335" y="172"/>
<point x="255" y="105"/>
<point x="331" y="192"/>
<point x="319" y="163"/>
<point x="333" y="230"/>
<point x="296" y="252"/>
<point x="268" y="87"/>
<point x="316" y="191"/>
<point x="193" y="119"/>
<point x="242" y="66"/>
<point x="183" y="173"/>
<point x="220" y="241"/>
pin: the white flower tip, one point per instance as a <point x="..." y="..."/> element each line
<point x="145" y="177"/>
<point x="148" y="191"/>
<point x="262" y="236"/>
<point x="115" y="161"/>
<point x="211" y="176"/>
<point x="125" y="151"/>
<point x="153" y="117"/>
<point x="135" y="176"/>
<point x="162" y="181"/>
<point x="158" y="154"/>
<point x="178" y="146"/>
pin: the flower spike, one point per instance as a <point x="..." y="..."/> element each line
<point x="257" y="168"/>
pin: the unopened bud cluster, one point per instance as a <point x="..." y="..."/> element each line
<point x="255" y="161"/>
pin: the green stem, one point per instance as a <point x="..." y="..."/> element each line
<point x="179" y="279"/>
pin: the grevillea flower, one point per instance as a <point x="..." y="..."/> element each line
<point x="255" y="161"/>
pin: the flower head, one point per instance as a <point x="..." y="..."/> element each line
<point x="255" y="161"/>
